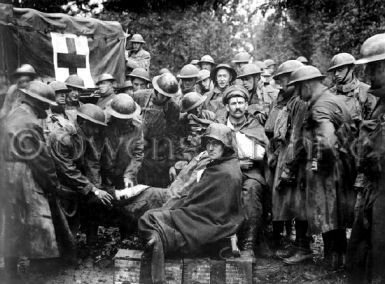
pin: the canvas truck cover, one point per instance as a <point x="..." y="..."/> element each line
<point x="58" y="45"/>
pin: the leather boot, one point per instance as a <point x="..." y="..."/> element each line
<point x="249" y="239"/>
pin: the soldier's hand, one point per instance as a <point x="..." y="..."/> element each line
<point x="172" y="173"/>
<point x="246" y="164"/>
<point x="103" y="196"/>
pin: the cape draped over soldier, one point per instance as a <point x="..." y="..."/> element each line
<point x="139" y="55"/>
<point x="209" y="212"/>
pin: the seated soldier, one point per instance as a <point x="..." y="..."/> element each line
<point x="211" y="210"/>
<point x="251" y="141"/>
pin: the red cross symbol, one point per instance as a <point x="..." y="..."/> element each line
<point x="71" y="60"/>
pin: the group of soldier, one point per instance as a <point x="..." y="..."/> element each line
<point x="222" y="149"/>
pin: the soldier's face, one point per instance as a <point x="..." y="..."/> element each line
<point x="215" y="148"/>
<point x="136" y="46"/>
<point x="236" y="107"/>
<point x="343" y="74"/>
<point x="188" y="84"/>
<point x="223" y="78"/>
<point x="139" y="84"/>
<point x="23" y="81"/>
<point x="250" y="82"/>
<point x="73" y="95"/>
<point x="60" y="98"/>
<point x="206" y="66"/>
<point x="283" y="80"/>
<point x="105" y="87"/>
<point x="306" y="90"/>
<point x="376" y="73"/>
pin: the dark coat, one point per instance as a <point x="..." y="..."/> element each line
<point x="122" y="154"/>
<point x="28" y="182"/>
<point x="214" y="103"/>
<point x="288" y="190"/>
<point x="327" y="138"/>
<point x="77" y="158"/>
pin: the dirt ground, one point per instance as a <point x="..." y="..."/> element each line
<point x="96" y="266"/>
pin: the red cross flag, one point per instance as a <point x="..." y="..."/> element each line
<point x="58" y="45"/>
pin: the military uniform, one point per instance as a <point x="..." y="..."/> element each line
<point x="142" y="57"/>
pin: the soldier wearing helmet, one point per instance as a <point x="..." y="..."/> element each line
<point x="76" y="152"/>
<point x="251" y="141"/>
<point x="355" y="92"/>
<point x="29" y="184"/>
<point x="194" y="121"/>
<point x="250" y="76"/>
<point x="204" y="81"/>
<point x="188" y="76"/>
<point x="283" y="128"/>
<point x="160" y="116"/>
<point x="105" y="83"/>
<point x="137" y="53"/>
<point x="241" y="59"/>
<point x="57" y="116"/>
<point x="140" y="79"/>
<point x="21" y="77"/>
<point x="366" y="244"/>
<point x="223" y="76"/>
<point x="206" y="63"/>
<point x="328" y="136"/>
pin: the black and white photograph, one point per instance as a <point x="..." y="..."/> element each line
<point x="192" y="141"/>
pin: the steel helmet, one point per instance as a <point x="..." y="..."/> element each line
<point x="341" y="59"/>
<point x="287" y="67"/>
<point x="191" y="101"/>
<point x="131" y="63"/>
<point x="235" y="91"/>
<point x="207" y="59"/>
<point x="373" y="49"/>
<point x="137" y="38"/>
<point x="188" y="71"/>
<point x="41" y="92"/>
<point x="203" y="75"/>
<point x="227" y="67"/>
<point x="25" y="69"/>
<point x="123" y="106"/>
<point x="59" y="86"/>
<point x="92" y="113"/>
<point x="305" y="73"/>
<point x="105" y="77"/>
<point x="126" y="85"/>
<point x="302" y="59"/>
<point x="166" y="84"/>
<point x="140" y="73"/>
<point x="220" y="132"/>
<point x="164" y="70"/>
<point x="242" y="57"/>
<point x="249" y="69"/>
<point x="260" y="64"/>
<point x="194" y="62"/>
<point x="75" y="81"/>
<point x="269" y="62"/>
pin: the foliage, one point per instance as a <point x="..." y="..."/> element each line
<point x="175" y="38"/>
<point x="318" y="29"/>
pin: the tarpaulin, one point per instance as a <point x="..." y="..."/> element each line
<point x="58" y="45"/>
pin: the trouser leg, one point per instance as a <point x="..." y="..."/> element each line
<point x="252" y="194"/>
<point x="302" y="240"/>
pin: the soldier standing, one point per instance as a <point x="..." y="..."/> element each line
<point x="106" y="89"/>
<point x="140" y="79"/>
<point x="206" y="63"/>
<point x="366" y="255"/>
<point x="327" y="138"/>
<point x="137" y="53"/>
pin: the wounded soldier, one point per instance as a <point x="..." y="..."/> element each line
<point x="210" y="211"/>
